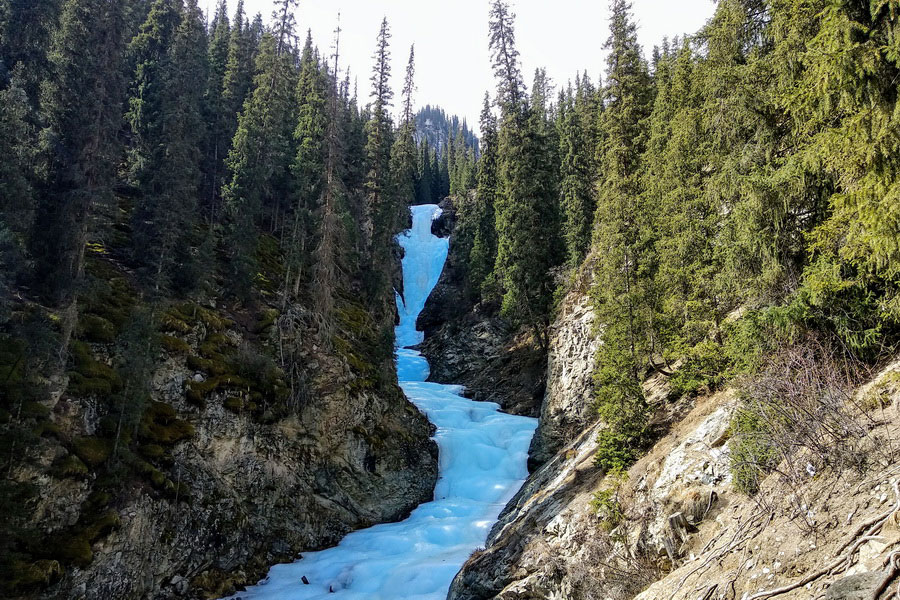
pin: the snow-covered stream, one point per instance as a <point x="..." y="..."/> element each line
<point x="483" y="455"/>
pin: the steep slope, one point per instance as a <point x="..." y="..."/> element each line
<point x="227" y="470"/>
<point x="676" y="525"/>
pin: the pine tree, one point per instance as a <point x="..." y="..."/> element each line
<point x="309" y="164"/>
<point x="622" y="299"/>
<point x="403" y="152"/>
<point x="380" y="218"/>
<point x="576" y="172"/>
<point x="167" y="131"/>
<point x="425" y="179"/>
<point x="527" y="248"/>
<point x="484" y="245"/>
<point x="81" y="105"/>
<point x="260" y="158"/>
<point x="216" y="112"/>
<point x="239" y="70"/>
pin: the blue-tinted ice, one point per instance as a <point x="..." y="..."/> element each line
<point x="483" y="455"/>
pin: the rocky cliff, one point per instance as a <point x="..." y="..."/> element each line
<point x="677" y="525"/>
<point x="230" y="464"/>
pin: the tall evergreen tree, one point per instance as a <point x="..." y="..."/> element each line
<point x="216" y="112"/>
<point x="380" y="218"/>
<point x="167" y="131"/>
<point x="622" y="298"/>
<point x="309" y="164"/>
<point x="81" y="105"/>
<point x="403" y="152"/>
<point x="484" y="245"/>
<point x="527" y="249"/>
<point x="260" y="158"/>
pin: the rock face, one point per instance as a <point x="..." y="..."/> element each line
<point x="259" y="493"/>
<point x="238" y="489"/>
<point x="675" y="526"/>
<point x="567" y="407"/>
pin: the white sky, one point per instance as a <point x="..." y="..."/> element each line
<point x="452" y="58"/>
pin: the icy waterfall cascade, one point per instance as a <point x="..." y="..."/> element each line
<point x="483" y="456"/>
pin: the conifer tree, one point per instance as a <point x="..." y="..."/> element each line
<point x="527" y="249"/>
<point x="239" y="70"/>
<point x="78" y="154"/>
<point x="403" y="152"/>
<point x="621" y="294"/>
<point x="167" y="131"/>
<point x="484" y="244"/>
<point x="380" y="218"/>
<point x="216" y="112"/>
<point x="309" y="164"/>
<point x="261" y="156"/>
<point x="576" y="173"/>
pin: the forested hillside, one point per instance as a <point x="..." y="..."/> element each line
<point x="195" y="218"/>
<point x="732" y="194"/>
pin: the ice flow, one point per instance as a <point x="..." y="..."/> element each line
<point x="483" y="455"/>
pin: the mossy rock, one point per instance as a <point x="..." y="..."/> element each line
<point x="882" y="394"/>
<point x="34" y="410"/>
<point x="26" y="576"/>
<point x="90" y="377"/>
<point x="266" y="320"/>
<point x="173" y="323"/>
<point x="152" y="451"/>
<point x="69" y="466"/>
<point x="73" y="550"/>
<point x="161" y="425"/>
<point x="95" y="328"/>
<point x="93" y="451"/>
<point x="48" y="429"/>
<point x="174" y="345"/>
<point x="214" y="346"/>
<point x="193" y="314"/>
<point x="239" y="405"/>
<point x="207" y="365"/>
<point x="102" y="526"/>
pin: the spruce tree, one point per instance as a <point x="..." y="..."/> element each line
<point x="403" y="152"/>
<point x="380" y="216"/>
<point x="81" y="106"/>
<point x="260" y="158"/>
<point x="526" y="210"/>
<point x="309" y="164"/>
<point x="167" y="132"/>
<point x="623" y="300"/>
<point x="484" y="244"/>
<point x="216" y="113"/>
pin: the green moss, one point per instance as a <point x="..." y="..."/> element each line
<point x="69" y="466"/>
<point x="95" y="328"/>
<point x="74" y="550"/>
<point x="103" y="525"/>
<point x="266" y="320"/>
<point x="34" y="410"/>
<point x="239" y="405"/>
<point x="88" y="376"/>
<point x="25" y="576"/>
<point x="161" y="425"/>
<point x="92" y="451"/>
<point x="207" y="365"/>
<point x="152" y="451"/>
<point x="174" y="345"/>
<point x="882" y="394"/>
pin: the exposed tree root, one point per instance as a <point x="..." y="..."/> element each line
<point x="845" y="556"/>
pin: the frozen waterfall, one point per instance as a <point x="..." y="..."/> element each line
<point x="483" y="455"/>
